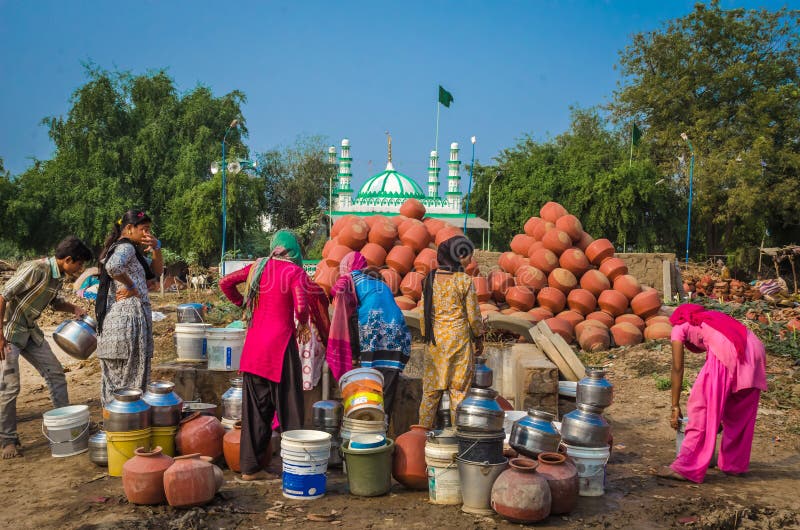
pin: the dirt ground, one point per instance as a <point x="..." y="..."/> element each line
<point x="44" y="492"/>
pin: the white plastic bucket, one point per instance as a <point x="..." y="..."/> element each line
<point x="224" y="346"/>
<point x="305" y="456"/>
<point x="591" y="465"/>
<point x="190" y="341"/>
<point x="444" y="483"/>
<point x="67" y="430"/>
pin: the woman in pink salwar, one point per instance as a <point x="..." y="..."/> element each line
<point x="725" y="392"/>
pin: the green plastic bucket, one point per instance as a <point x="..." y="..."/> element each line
<point x="369" y="471"/>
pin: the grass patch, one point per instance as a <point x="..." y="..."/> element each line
<point x="665" y="383"/>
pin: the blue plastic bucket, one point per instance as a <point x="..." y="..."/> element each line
<point x="305" y="456"/>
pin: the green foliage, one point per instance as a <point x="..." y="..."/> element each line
<point x="665" y="383"/>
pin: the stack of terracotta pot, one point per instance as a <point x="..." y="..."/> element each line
<point x="558" y="273"/>
<point x="403" y="247"/>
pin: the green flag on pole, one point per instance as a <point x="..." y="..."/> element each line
<point x="445" y="97"/>
<point x="636" y="134"/>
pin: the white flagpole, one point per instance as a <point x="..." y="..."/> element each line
<point x="436" y="141"/>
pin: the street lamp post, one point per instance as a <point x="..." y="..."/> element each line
<point x="331" y="163"/>
<point x="489" y="237"/>
<point x="691" y="177"/>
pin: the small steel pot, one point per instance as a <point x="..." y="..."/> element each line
<point x="479" y="411"/>
<point x="585" y="427"/>
<point x="483" y="374"/>
<point x="127" y="411"/>
<point x="534" y="434"/>
<point x="77" y="337"/>
<point x="232" y="400"/>
<point x="327" y="414"/>
<point x="595" y="389"/>
<point x="165" y="404"/>
<point x="98" y="450"/>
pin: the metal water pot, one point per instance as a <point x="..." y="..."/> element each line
<point x="126" y="412"/>
<point x="483" y="374"/>
<point x="585" y="427"/>
<point x="77" y="337"/>
<point x="479" y="411"/>
<point x="98" y="450"/>
<point x="534" y="434"/>
<point x="327" y="415"/>
<point x="595" y="389"/>
<point x="232" y="400"/>
<point x="191" y="313"/>
<point x="165" y="404"/>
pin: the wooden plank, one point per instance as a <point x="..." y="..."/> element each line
<point x="568" y="355"/>
<point x="552" y="353"/>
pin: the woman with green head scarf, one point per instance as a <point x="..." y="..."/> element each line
<point x="279" y="294"/>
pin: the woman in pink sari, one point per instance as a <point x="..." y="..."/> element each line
<point x="725" y="393"/>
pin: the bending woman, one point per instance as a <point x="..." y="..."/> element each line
<point x="726" y="391"/>
<point x="452" y="322"/>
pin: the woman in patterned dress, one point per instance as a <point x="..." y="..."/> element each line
<point x="124" y="313"/>
<point x="452" y="323"/>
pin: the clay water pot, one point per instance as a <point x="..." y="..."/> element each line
<point x="231" y="444"/>
<point x="408" y="463"/>
<point x="562" y="327"/>
<point x="416" y="237"/>
<point x="143" y="476"/>
<point x="472" y="267"/>
<point x="613" y="267"/>
<point x="446" y="233"/>
<point x="612" y="302"/>
<point x="541" y="229"/>
<point x="520" y="298"/>
<point x="531" y="224"/>
<point x="329" y="244"/>
<point x="341" y="223"/>
<point x="574" y="260"/>
<point x="632" y="319"/>
<point x="383" y="232"/>
<point x="551" y="211"/>
<point x="601" y="316"/>
<point x="354" y="234"/>
<point x="508" y="262"/>
<point x="556" y="241"/>
<point x="540" y="313"/>
<point x="646" y="304"/>
<point x="595" y="282"/>
<point x="582" y="326"/>
<point x="656" y="319"/>
<point x="337" y="254"/>
<point x="626" y="334"/>
<point x="425" y="261"/>
<point x="627" y="285"/>
<point x="398" y="220"/>
<point x="412" y="208"/>
<point x="374" y="254"/>
<point x="190" y="481"/>
<point x="392" y="279"/>
<point x="433" y="225"/>
<point x="520" y="244"/>
<point x="407" y="225"/>
<point x="658" y="331"/>
<point x="562" y="477"/>
<point x="599" y="250"/>
<point x="411" y="286"/>
<point x="562" y="279"/>
<point x="582" y="301"/>
<point x="520" y="494"/>
<point x="571" y="225"/>
<point x="326" y="276"/>
<point x="552" y="299"/>
<point x="536" y="245"/>
<point x="200" y="434"/>
<point x="499" y="282"/>
<point x="573" y="317"/>
<point x="481" y="285"/>
<point x="544" y="260"/>
<point x="401" y="258"/>
<point x="530" y="276"/>
<point x="584" y="241"/>
<point x="594" y="338"/>
<point x="405" y="303"/>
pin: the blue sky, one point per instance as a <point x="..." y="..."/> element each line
<point x="339" y="69"/>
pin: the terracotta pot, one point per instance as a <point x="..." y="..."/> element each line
<point x="562" y="327"/>
<point x="551" y="211"/>
<point x="520" y="244"/>
<point x="613" y="267"/>
<point x="401" y="258"/>
<point x="412" y="208"/>
<point x="536" y="245"/>
<point x="601" y="316"/>
<point x="337" y="254"/>
<point x="405" y="303"/>
<point x="499" y="282"/>
<point x="425" y="261"/>
<point x="398" y="220"/>
<point x="408" y="463"/>
<point x="411" y="286"/>
<point x="540" y="313"/>
<point x="143" y="476"/>
<point x="520" y="494"/>
<point x="631" y="319"/>
<point x="200" y="434"/>
<point x="189" y="481"/>
<point x="571" y="225"/>
<point x="392" y="279"/>
<point x="573" y="317"/>
<point x="544" y="260"/>
<point x="219" y="476"/>
<point x="612" y="302"/>
<point x="531" y="224"/>
<point x="582" y="301"/>
<point x="562" y="279"/>
<point x="541" y="229"/>
<point x="646" y="304"/>
<point x="595" y="282"/>
<point x="383" y="232"/>
<point x="329" y="244"/>
<point x="472" y="267"/>
<point x="446" y="233"/>
<point x="416" y="237"/>
<point x="552" y="299"/>
<point x="594" y="338"/>
<point x="627" y="285"/>
<point x="508" y="261"/>
<point x="657" y="331"/>
<point x="562" y="477"/>
<point x="326" y="276"/>
<point x="574" y="260"/>
<point x="481" y="285"/>
<point x="520" y="298"/>
<point x="580" y="327"/>
<point x="530" y="276"/>
<point x="433" y="225"/>
<point x="599" y="250"/>
<point x="584" y="241"/>
<point x="341" y="223"/>
<point x="407" y="225"/>
<point x="231" y="443"/>
<point x="374" y="254"/>
<point x="626" y="334"/>
<point x="556" y="241"/>
<point x="658" y="319"/>
<point x="354" y="234"/>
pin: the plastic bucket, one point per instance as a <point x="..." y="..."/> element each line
<point x="190" y="342"/>
<point x="121" y="446"/>
<point x="444" y="483"/>
<point x="67" y="430"/>
<point x="365" y="405"/>
<point x="305" y="456"/>
<point x="591" y="465"/>
<point x="477" y="479"/>
<point x="224" y="346"/>
<point x="164" y="437"/>
<point x="369" y="472"/>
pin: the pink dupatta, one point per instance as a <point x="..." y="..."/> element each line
<point x="340" y="351"/>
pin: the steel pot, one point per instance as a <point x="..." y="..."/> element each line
<point x="126" y="412"/>
<point x="327" y="415"/>
<point x="77" y="337"/>
<point x="585" y="427"/>
<point x="205" y="409"/>
<point x="483" y="374"/>
<point x="165" y="404"/>
<point x="191" y="313"/>
<point x="480" y="411"/>
<point x="232" y="400"/>
<point x="595" y="389"/>
<point x="98" y="450"/>
<point x="534" y="434"/>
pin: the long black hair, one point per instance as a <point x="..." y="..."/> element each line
<point x="131" y="217"/>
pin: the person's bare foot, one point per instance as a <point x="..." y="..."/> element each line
<point x="668" y="472"/>
<point x="11" y="450"/>
<point x="254" y="477"/>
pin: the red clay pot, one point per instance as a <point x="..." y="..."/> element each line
<point x="584" y="241"/>
<point x="143" y="476"/>
<point x="531" y="224"/>
<point x="599" y="250"/>
<point x="341" y="223"/>
<point x="573" y="317"/>
<point x="544" y="260"/>
<point x="374" y="254"/>
<point x="588" y="323"/>
<point x="405" y="303"/>
<point x="552" y="299"/>
<point x="337" y="254"/>
<point x="411" y="286"/>
<point x="631" y="319"/>
<point x="407" y="225"/>
<point x="562" y="279"/>
<point x="646" y="304"/>
<point x="481" y="285"/>
<point x="601" y="316"/>
<point x="383" y="232"/>
<point x="541" y="229"/>
<point x="520" y="298"/>
<point x="472" y="267"/>
<point x="200" y="434"/>
<point x="446" y="233"/>
<point x="595" y="282"/>
<point x="574" y="260"/>
<point x="612" y="302"/>
<point x="433" y="225"/>
<point x="520" y="244"/>
<point x="401" y="258"/>
<point x="354" y="234"/>
<point x="425" y="261"/>
<point x="398" y="220"/>
<point x="190" y="481"/>
<point x="626" y="334"/>
<point x="499" y="282"/>
<point x="508" y="262"/>
<point x="412" y="208"/>
<point x="657" y="331"/>
<point x="571" y="225"/>
<point x="231" y="444"/>
<point x="562" y="477"/>
<point x="520" y="494"/>
<point x="392" y="279"/>
<point x="551" y="211"/>
<point x="657" y="319"/>
<point x="540" y="313"/>
<point x="536" y="245"/>
<point x="329" y="244"/>
<point x="627" y="285"/>
<point x="326" y="276"/>
<point x="408" y="463"/>
<point x="530" y="276"/>
<point x="562" y="327"/>
<point x="613" y="267"/>
<point x="416" y="237"/>
<point x="582" y="301"/>
<point x="556" y="241"/>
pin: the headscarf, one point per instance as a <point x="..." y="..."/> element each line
<point x="284" y="245"/>
<point x="448" y="256"/>
<point x="728" y="326"/>
<point x="340" y="347"/>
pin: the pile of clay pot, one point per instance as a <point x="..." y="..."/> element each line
<point x="403" y="247"/>
<point x="558" y="273"/>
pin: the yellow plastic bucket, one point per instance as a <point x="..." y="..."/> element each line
<point x="165" y="438"/>
<point x="121" y="445"/>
